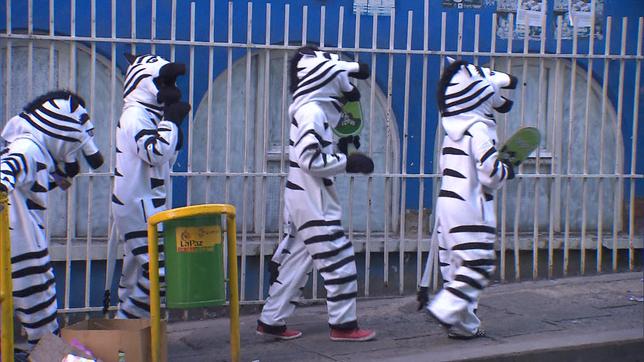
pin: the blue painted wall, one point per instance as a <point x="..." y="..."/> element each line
<point x="632" y="9"/>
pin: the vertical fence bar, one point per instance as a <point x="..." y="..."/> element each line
<point x="388" y="146"/>
<point x="191" y="92"/>
<point x="571" y="120"/>
<point x="356" y="57"/>
<point x="519" y="180"/>
<point x="8" y="72"/>
<point x="90" y="185"/>
<point x="173" y="29"/>
<point x="133" y="26"/>
<point x="249" y="40"/>
<point x="423" y="139"/>
<point x="264" y="149"/>
<point x="229" y="85"/>
<point x="50" y="85"/>
<point x="403" y="191"/>
<point x="372" y="89"/>
<point x="636" y="105"/>
<point x="584" y="180"/>
<point x="30" y="50"/>
<point x="283" y="128"/>
<point x="153" y="27"/>
<point x="555" y="169"/>
<point x="619" y="167"/>
<point x="210" y="86"/>
<point x="600" y="194"/>
<point x="322" y="24"/>
<point x="112" y="136"/>
<point x="477" y="25"/>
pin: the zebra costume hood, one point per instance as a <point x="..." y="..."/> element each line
<point x="150" y="82"/>
<point x="58" y="121"/>
<point x="469" y="93"/>
<point x="318" y="76"/>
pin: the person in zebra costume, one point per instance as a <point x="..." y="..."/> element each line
<point x="42" y="146"/>
<point x="467" y="95"/>
<point x="320" y="85"/>
<point x="148" y="138"/>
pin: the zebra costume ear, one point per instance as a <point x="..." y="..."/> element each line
<point x="130" y="57"/>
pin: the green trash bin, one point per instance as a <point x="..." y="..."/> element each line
<point x="194" y="268"/>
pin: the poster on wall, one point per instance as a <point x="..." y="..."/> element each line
<point x="462" y="4"/>
<point x="579" y="13"/>
<point x="527" y="18"/>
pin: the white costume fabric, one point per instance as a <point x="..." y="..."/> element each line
<point x="146" y="148"/>
<point x="320" y="83"/>
<point x="466" y="219"/>
<point x="50" y="130"/>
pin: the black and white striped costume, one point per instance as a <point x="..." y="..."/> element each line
<point x="320" y="85"/>
<point x="146" y="148"/>
<point x="41" y="141"/>
<point x="466" y="220"/>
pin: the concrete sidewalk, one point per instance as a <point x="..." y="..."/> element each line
<point x="592" y="318"/>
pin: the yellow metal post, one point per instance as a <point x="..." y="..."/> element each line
<point x="155" y="303"/>
<point x="6" y="286"/>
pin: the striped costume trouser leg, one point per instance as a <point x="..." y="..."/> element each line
<point x="334" y="258"/>
<point x="295" y="267"/>
<point x="471" y="265"/>
<point x="134" y="285"/>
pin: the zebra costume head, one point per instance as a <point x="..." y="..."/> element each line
<point x="319" y="76"/>
<point x="469" y="93"/>
<point x="58" y="121"/>
<point x="151" y="81"/>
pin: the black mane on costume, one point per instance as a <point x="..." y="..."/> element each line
<point x="56" y="94"/>
<point x="293" y="80"/>
<point x="446" y="77"/>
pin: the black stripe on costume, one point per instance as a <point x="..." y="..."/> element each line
<point x="314" y="223"/>
<point x="38" y="187"/>
<point x="337" y="265"/>
<point x="312" y="71"/>
<point x="131" y="75"/>
<point x="469" y="281"/>
<point x="310" y="132"/>
<point x="136" y="234"/>
<point x="46" y="131"/>
<point x="293" y="164"/>
<point x="444" y="264"/>
<point x="32" y="205"/>
<point x="318" y="86"/>
<point x="145" y="132"/>
<point x="32" y="255"/>
<point x="38" y="307"/>
<point x="454" y="151"/>
<point x="479" y="262"/>
<point x="487" y="154"/>
<point x="496" y="168"/>
<point x="40" y="166"/>
<point x="38" y="269"/>
<point x="116" y="200"/>
<point x="156" y="182"/>
<point x="330" y="253"/>
<point x="327" y="182"/>
<point x="473" y="246"/>
<point x="459" y="294"/>
<point x="152" y="106"/>
<point x="140" y="304"/>
<point x="344" y="280"/>
<point x="41" y="322"/>
<point x="473" y="229"/>
<point x="135" y="84"/>
<point x="25" y="165"/>
<point x="481" y="271"/>
<point x="294" y="122"/>
<point x="143" y="249"/>
<point x="145" y="290"/>
<point x="292" y="186"/>
<point x="117" y="173"/>
<point x="158" y="202"/>
<point x="317" y="154"/>
<point x="488" y="197"/>
<point x="473" y="96"/>
<point x="463" y="91"/>
<point x="57" y="117"/>
<point x="322" y="238"/>
<point x="301" y="84"/>
<point x="451" y="194"/>
<point x="467" y="109"/>
<point x="128" y="315"/>
<point x="453" y="173"/>
<point x="340" y="297"/>
<point x="33" y="289"/>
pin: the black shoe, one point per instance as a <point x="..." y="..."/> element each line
<point x="480" y="332"/>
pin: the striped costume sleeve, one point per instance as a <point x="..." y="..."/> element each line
<point x="492" y="173"/>
<point x="155" y="144"/>
<point x="13" y="168"/>
<point x="309" y="146"/>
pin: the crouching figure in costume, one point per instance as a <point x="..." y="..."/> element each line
<point x="148" y="138"/>
<point x="42" y="145"/>
<point x="320" y="85"/>
<point x="466" y="220"/>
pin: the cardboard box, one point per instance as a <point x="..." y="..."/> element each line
<point x="53" y="348"/>
<point x="106" y="337"/>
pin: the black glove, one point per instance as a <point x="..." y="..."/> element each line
<point x="510" y="168"/>
<point x="176" y="112"/>
<point x="422" y="296"/>
<point x="273" y="269"/>
<point x="359" y="163"/>
<point x="343" y="143"/>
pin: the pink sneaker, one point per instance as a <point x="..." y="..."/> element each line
<point x="352" y="335"/>
<point x="278" y="332"/>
